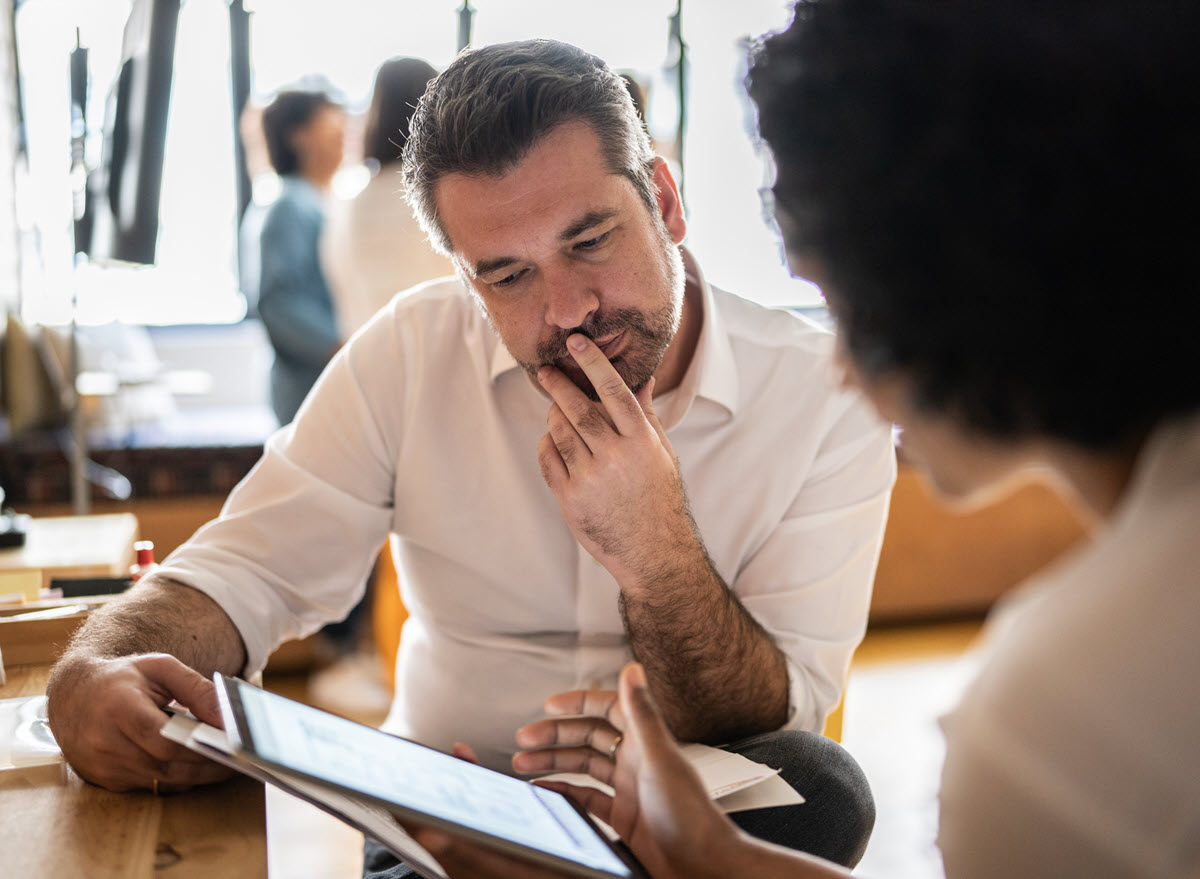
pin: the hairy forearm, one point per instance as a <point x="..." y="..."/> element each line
<point x="159" y="615"/>
<point x="715" y="672"/>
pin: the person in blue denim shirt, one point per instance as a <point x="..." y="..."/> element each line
<point x="304" y="132"/>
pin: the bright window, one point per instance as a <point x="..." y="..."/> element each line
<point x="194" y="279"/>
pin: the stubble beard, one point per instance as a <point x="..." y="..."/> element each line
<point x="648" y="334"/>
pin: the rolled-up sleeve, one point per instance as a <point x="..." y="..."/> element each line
<point x="297" y="537"/>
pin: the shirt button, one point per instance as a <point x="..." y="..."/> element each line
<point x="595" y="684"/>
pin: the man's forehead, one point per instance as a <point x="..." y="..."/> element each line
<point x="559" y="190"/>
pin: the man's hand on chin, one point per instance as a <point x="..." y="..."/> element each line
<point x="613" y="470"/>
<point x="614" y="473"/>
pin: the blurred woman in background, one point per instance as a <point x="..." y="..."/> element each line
<point x="373" y="247"/>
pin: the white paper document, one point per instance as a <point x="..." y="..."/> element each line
<point x="25" y="737"/>
<point x="735" y="782"/>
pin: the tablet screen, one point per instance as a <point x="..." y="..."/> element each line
<point x="415" y="778"/>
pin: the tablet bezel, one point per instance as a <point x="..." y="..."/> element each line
<point x="237" y="729"/>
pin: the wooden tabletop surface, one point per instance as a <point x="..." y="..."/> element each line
<point x="54" y="824"/>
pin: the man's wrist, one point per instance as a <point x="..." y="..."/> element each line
<point x="679" y="560"/>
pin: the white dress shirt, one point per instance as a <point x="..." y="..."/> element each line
<point x="1076" y="753"/>
<point x="372" y="248"/>
<point x="424" y="425"/>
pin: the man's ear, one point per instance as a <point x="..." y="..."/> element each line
<point x="670" y="206"/>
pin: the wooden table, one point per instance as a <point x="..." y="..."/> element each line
<point x="54" y="824"/>
<point x="75" y="546"/>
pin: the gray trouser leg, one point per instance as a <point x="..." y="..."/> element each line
<point x="838" y="814"/>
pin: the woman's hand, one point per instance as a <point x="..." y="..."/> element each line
<point x="659" y="807"/>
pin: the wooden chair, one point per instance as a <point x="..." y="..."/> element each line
<point x="833" y="723"/>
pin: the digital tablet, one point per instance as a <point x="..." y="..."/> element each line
<point x="417" y="783"/>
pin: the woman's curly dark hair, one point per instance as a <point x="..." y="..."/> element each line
<point x="1003" y="197"/>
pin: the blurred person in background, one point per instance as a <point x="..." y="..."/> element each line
<point x="372" y="246"/>
<point x="305" y="135"/>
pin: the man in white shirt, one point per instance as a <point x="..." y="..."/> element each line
<point x="588" y="354"/>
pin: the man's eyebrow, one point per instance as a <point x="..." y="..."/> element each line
<point x="487" y="266"/>
<point x="587" y="221"/>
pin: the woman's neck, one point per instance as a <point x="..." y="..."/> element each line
<point x="1099" y="479"/>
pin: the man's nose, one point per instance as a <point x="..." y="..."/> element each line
<point x="569" y="302"/>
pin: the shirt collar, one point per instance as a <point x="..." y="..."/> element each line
<point x="712" y="374"/>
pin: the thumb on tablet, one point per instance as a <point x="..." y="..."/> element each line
<point x="173" y="680"/>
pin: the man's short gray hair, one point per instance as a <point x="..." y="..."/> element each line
<point x="493" y="104"/>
